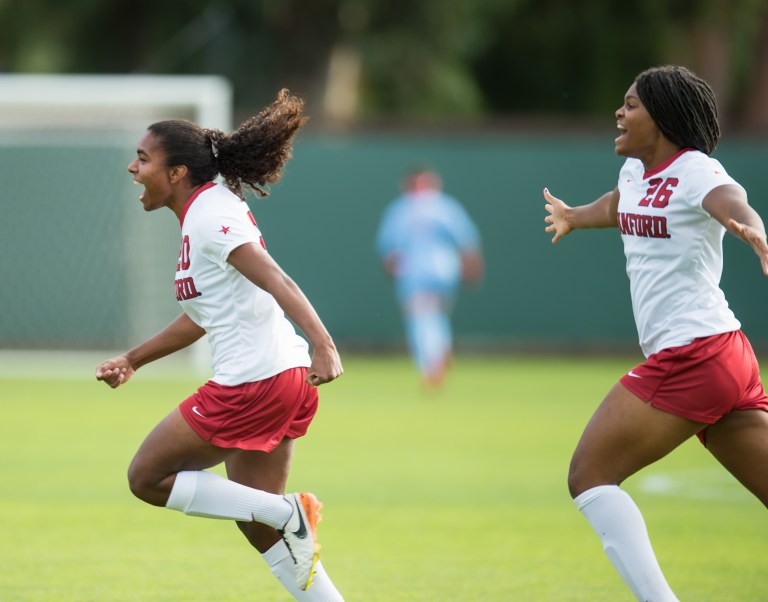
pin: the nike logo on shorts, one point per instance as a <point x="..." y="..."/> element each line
<point x="630" y="373"/>
<point x="196" y="411"/>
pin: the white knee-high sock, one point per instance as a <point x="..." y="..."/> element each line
<point x="282" y="566"/>
<point x="621" y="528"/>
<point x="207" y="494"/>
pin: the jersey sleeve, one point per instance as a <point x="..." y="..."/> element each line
<point x="708" y="174"/>
<point x="463" y="228"/>
<point x="626" y="170"/>
<point x="225" y="228"/>
<point x="389" y="228"/>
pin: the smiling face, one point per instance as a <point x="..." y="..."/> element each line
<point x="150" y="170"/>
<point x="639" y="136"/>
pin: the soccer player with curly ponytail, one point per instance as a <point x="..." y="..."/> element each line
<point x="263" y="392"/>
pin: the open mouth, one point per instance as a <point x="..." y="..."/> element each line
<point x="141" y="196"/>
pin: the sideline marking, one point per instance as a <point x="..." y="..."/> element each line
<point x="696" y="484"/>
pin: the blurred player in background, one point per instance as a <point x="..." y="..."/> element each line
<point x="428" y="244"/>
<point x="263" y="394"/>
<point x="672" y="206"/>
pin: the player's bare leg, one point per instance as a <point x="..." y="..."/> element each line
<point x="265" y="471"/>
<point x="624" y="435"/>
<point x="739" y="441"/>
<point x="615" y="445"/>
<point x="269" y="472"/>
<point x="168" y="470"/>
<point x="171" y="447"/>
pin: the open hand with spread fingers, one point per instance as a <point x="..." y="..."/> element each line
<point x="556" y="221"/>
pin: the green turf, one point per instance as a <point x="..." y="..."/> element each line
<point x="458" y="496"/>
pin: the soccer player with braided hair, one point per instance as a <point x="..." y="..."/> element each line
<point x="672" y="207"/>
<point x="263" y="392"/>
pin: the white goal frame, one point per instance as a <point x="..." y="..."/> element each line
<point x="88" y="100"/>
<point x="114" y="110"/>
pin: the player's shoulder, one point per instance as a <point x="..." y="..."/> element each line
<point x="217" y="200"/>
<point x="449" y="199"/>
<point x="699" y="174"/>
<point x="215" y="204"/>
<point x="702" y="171"/>
<point x="396" y="208"/>
<point x="697" y="161"/>
<point x="631" y="168"/>
<point x="694" y="157"/>
<point x="220" y="194"/>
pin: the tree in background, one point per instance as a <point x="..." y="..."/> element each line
<point x="414" y="60"/>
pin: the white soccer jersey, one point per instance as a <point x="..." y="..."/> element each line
<point x="249" y="335"/>
<point x="674" y="250"/>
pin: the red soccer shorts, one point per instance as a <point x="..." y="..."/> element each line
<point x="702" y="381"/>
<point x="253" y="416"/>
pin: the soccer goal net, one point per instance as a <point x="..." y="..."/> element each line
<point x="83" y="266"/>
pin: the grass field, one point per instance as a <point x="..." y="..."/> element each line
<point x="457" y="496"/>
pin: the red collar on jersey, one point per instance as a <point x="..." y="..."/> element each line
<point x="666" y="163"/>
<point x="195" y="194"/>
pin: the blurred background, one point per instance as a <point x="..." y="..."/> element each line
<point x="501" y="97"/>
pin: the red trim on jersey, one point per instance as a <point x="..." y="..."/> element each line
<point x="196" y="194"/>
<point x="666" y="163"/>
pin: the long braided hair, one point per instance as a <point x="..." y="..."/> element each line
<point x="682" y="105"/>
<point x="249" y="158"/>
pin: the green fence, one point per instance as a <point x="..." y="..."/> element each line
<point x="83" y="266"/>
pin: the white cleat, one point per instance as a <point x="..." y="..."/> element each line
<point x="300" y="535"/>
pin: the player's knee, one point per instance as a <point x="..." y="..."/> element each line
<point x="576" y="478"/>
<point x="136" y="483"/>
<point x="585" y="474"/>
<point x="573" y="485"/>
<point x="143" y="487"/>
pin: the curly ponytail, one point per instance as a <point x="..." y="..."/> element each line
<point x="250" y="157"/>
<point x="255" y="154"/>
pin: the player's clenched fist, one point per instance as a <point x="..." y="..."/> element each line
<point x="115" y="371"/>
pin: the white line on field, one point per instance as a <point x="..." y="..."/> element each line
<point x="697" y="484"/>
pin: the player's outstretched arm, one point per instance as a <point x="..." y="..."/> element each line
<point x="179" y="334"/>
<point x="754" y="238"/>
<point x="563" y="219"/>
<point x="728" y="205"/>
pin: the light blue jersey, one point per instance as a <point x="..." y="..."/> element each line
<point x="426" y="232"/>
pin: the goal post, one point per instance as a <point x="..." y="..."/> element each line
<point x="116" y="102"/>
<point x="89" y="270"/>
